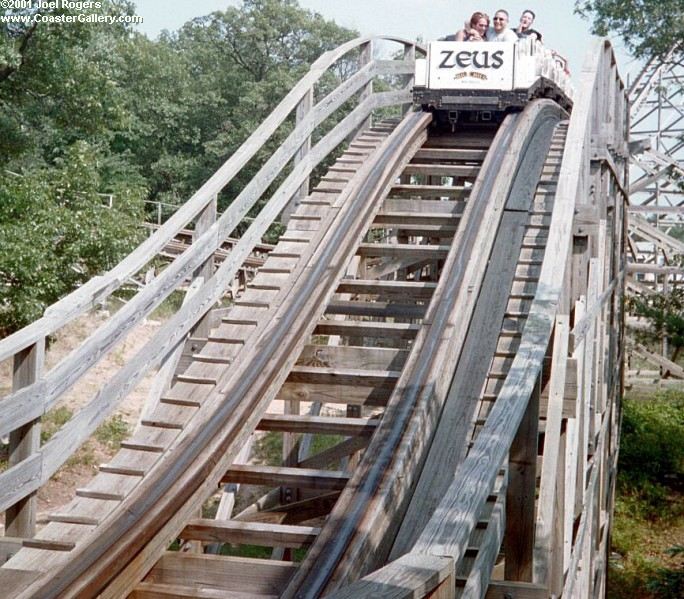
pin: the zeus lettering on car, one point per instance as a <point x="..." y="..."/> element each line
<point x="464" y="59"/>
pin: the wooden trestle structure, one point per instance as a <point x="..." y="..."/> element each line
<point x="458" y="299"/>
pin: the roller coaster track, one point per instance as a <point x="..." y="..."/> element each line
<point x="457" y="295"/>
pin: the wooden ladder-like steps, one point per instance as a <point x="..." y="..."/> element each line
<point x="382" y="317"/>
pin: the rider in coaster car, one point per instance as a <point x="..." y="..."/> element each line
<point x="525" y="26"/>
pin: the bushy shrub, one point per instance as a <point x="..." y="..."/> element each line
<point x="652" y="441"/>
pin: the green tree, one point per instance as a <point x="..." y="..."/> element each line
<point x="88" y="109"/>
<point x="665" y="314"/>
<point x="648" y="27"/>
<point x="57" y="232"/>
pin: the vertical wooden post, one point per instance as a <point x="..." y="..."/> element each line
<point x="409" y="56"/>
<point x="20" y="519"/>
<point x="303" y="109"/>
<point x="204" y="222"/>
<point x="520" y="493"/>
<point x="664" y="341"/>
<point x="290" y="452"/>
<point x="548" y="531"/>
<point x="364" y="58"/>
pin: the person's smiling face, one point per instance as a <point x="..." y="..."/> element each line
<point x="526" y="21"/>
<point x="500" y="21"/>
<point x="481" y="27"/>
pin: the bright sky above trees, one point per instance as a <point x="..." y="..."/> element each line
<point x="565" y="31"/>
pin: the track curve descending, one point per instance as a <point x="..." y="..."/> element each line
<point x="459" y="295"/>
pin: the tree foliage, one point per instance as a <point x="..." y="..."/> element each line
<point x="648" y="27"/>
<point x="665" y="313"/>
<point x="91" y="109"/>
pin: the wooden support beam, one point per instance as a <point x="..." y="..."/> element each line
<point x="205" y="220"/>
<point x="442" y="170"/>
<point x="454" y="154"/>
<point x="548" y="550"/>
<point x="515" y="590"/>
<point x="413" y="289"/>
<point x="430" y="191"/>
<point x="343" y="376"/>
<point x="8" y="547"/>
<point x="275" y="476"/>
<point x="292" y="513"/>
<point x="249" y="533"/>
<point x="520" y="505"/>
<point x="20" y="518"/>
<point x="409" y="577"/>
<point x="357" y="328"/>
<point x="323" y="425"/>
<point x="235" y="574"/>
<point x="376" y="309"/>
<point x="336" y="454"/>
<point x="403" y="250"/>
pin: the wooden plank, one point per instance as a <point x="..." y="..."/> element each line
<point x="427" y="208"/>
<point x="354" y="395"/>
<point x="412" y="576"/>
<point x="519" y="590"/>
<point x="285" y="334"/>
<point x="295" y="512"/>
<point x="372" y="523"/>
<point x="343" y="376"/>
<point x="249" y="533"/>
<point x="403" y="250"/>
<point x="349" y="356"/>
<point x="48" y="544"/>
<point x="478" y="471"/>
<point x="335" y="454"/>
<point x="229" y="573"/>
<point x="520" y="497"/>
<point x="442" y="170"/>
<point x="551" y="491"/>
<point x="479" y="578"/>
<point x="20" y="480"/>
<point x="322" y="425"/>
<point x="8" y="547"/>
<point x="20" y="518"/>
<point x="358" y="328"/>
<point x="667" y="366"/>
<point x="151" y="590"/>
<point x="84" y="423"/>
<point x="458" y="192"/>
<point x="376" y="309"/>
<point x="14" y="578"/>
<point x="415" y="289"/>
<point x="452" y="154"/>
<point x="450" y="443"/>
<point x="306" y="478"/>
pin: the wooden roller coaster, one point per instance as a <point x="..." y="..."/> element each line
<point x="444" y="309"/>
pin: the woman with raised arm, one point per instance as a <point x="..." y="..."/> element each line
<point x="474" y="30"/>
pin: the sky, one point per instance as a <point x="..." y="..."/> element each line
<point x="564" y="31"/>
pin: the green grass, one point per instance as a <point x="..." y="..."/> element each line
<point x="112" y="432"/>
<point x="52" y="421"/>
<point x="268" y="449"/>
<point x="649" y="510"/>
<point x="169" y="306"/>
